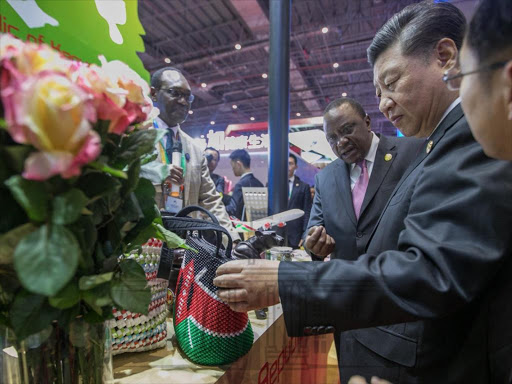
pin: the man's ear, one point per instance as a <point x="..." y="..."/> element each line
<point x="446" y="53"/>
<point x="507" y="88"/>
<point x="368" y="121"/>
<point x="153" y="93"/>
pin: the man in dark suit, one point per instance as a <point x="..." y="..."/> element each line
<point x="299" y="198"/>
<point x="434" y="281"/>
<point x="333" y="217"/>
<point x="213" y="158"/>
<point x="241" y="165"/>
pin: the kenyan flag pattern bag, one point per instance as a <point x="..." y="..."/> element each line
<point x="207" y="330"/>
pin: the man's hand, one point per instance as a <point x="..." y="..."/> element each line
<point x="248" y="284"/>
<point x="301" y="242"/>
<point x="319" y="242"/>
<point x="175" y="176"/>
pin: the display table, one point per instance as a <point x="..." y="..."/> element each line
<point x="274" y="358"/>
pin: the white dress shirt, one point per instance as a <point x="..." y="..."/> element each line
<point x="450" y="108"/>
<point x="290" y="186"/>
<point x="355" y="170"/>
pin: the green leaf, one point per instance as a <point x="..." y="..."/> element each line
<point x="105" y="168"/>
<point x="95" y="184"/>
<point x="86" y="234"/>
<point x="129" y="290"/>
<point x="135" y="145"/>
<point x="68" y="206"/>
<point x="129" y="214"/>
<point x="66" y="297"/>
<point x="9" y="241"/>
<point x="98" y="297"/>
<point x="15" y="156"/>
<point x="172" y="239"/>
<point x="46" y="259"/>
<point x="30" y="314"/>
<point x="133" y="178"/>
<point x="145" y="193"/>
<point x="31" y="195"/>
<point x="88" y="282"/>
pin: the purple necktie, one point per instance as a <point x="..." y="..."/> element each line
<point x="360" y="188"/>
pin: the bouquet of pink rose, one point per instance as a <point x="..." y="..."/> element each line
<point x="73" y="138"/>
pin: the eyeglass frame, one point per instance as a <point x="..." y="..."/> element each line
<point x="489" y="67"/>
<point x="189" y="98"/>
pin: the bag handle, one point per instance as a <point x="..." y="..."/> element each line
<point x="195" y="208"/>
<point x="174" y="223"/>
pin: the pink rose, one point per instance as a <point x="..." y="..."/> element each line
<point x="54" y="115"/>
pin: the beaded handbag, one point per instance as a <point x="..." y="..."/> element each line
<point x="207" y="330"/>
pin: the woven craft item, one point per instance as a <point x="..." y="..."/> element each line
<point x="207" y="330"/>
<point x="135" y="332"/>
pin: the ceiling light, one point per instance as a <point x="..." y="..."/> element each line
<point x="335" y="65"/>
<point x="212" y="122"/>
<point x="190" y="112"/>
<point x="344" y="94"/>
<point x="264" y="75"/>
<point x="238" y="47"/>
<point x="167" y="60"/>
<point x="252" y="118"/>
<point x="298" y="114"/>
<point x="203" y="85"/>
<point x="325" y="30"/>
<point x="234" y="106"/>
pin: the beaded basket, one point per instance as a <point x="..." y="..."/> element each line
<point x="135" y="332"/>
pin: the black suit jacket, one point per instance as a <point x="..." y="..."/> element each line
<point x="332" y="205"/>
<point x="219" y="182"/>
<point x="235" y="206"/>
<point x="299" y="199"/>
<point x="437" y="268"/>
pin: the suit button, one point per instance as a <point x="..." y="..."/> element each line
<point x="329" y="329"/>
<point x="308" y="330"/>
<point x="359" y="235"/>
<point x="321" y="330"/>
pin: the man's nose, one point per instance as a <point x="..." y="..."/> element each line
<point x="385" y="105"/>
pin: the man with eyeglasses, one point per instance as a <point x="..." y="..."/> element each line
<point x="172" y="94"/>
<point x="425" y="302"/>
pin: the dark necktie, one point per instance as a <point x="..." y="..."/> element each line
<point x="168" y="146"/>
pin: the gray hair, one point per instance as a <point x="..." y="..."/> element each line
<point x="418" y="28"/>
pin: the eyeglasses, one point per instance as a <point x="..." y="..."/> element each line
<point x="177" y="94"/>
<point x="452" y="76"/>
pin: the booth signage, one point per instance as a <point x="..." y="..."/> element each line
<point x="80" y="30"/>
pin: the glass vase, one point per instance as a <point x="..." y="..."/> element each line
<point x="80" y="355"/>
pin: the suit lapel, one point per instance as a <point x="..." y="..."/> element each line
<point x="186" y="149"/>
<point x="379" y="171"/>
<point x="342" y="178"/>
<point x="454" y="116"/>
<point x="295" y="190"/>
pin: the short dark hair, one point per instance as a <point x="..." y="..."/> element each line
<point x="418" y="28"/>
<point x="346" y="100"/>
<point x="213" y="149"/>
<point x="490" y="30"/>
<point x="243" y="156"/>
<point x="293" y="157"/>
<point x="156" y="77"/>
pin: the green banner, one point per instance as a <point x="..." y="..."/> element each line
<point x="79" y="29"/>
